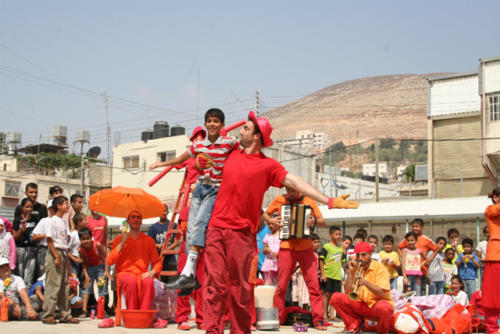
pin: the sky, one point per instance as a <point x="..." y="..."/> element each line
<point x="173" y="60"/>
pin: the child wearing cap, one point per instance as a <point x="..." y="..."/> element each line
<point x="13" y="287"/>
<point x="211" y="154"/>
<point x="7" y="245"/>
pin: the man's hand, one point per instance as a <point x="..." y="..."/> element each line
<point x="203" y="161"/>
<point x="341" y="202"/>
<point x="32" y="315"/>
<point x="86" y="282"/>
<point x="57" y="261"/>
<point x="155" y="165"/>
<point x="310" y="222"/>
<point x="277" y="221"/>
<point x="150" y="274"/>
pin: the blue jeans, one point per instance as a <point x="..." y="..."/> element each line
<point x="436" y="288"/>
<point x="415" y="283"/>
<point x="202" y="204"/>
<point x="470" y="286"/>
<point x="394" y="283"/>
<point x="94" y="273"/>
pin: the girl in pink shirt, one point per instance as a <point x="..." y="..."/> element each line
<point x="413" y="260"/>
<point x="271" y="248"/>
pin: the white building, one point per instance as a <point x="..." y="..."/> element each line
<point x="318" y="140"/>
<point x="383" y="169"/>
<point x="131" y="163"/>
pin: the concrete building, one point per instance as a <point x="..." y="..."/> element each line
<point x="14" y="178"/>
<point x="383" y="169"/>
<point x="132" y="160"/>
<point x="462" y="109"/>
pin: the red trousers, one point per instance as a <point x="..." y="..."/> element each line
<point x="353" y="312"/>
<point x="129" y="286"/>
<point x="183" y="306"/>
<point x="228" y="257"/>
<point x="287" y="260"/>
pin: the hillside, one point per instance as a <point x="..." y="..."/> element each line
<point x="358" y="110"/>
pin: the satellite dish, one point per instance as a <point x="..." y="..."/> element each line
<point x="94" y="152"/>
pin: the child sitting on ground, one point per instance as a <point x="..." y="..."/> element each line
<point x="13" y="287"/>
<point x="390" y="259"/>
<point x="468" y="264"/>
<point x="271" y="248"/>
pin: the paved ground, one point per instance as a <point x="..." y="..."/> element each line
<point x="89" y="326"/>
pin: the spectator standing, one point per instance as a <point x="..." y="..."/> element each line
<point x="454" y="242"/>
<point x="7" y="245"/>
<point x="40" y="236"/>
<point x="24" y="225"/>
<point x="449" y="267"/>
<point x="468" y="264"/>
<point x="413" y="261"/>
<point x="271" y="248"/>
<point x="98" y="225"/>
<point x="373" y="241"/>
<point x="436" y="271"/>
<point x="390" y="259"/>
<point x="481" y="250"/>
<point x="39" y="210"/>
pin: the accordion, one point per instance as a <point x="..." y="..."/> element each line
<point x="294" y="217"/>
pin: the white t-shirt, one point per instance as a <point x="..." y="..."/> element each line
<point x="481" y="248"/>
<point x="41" y="228"/>
<point x="17" y="284"/>
<point x="376" y="257"/>
<point x="461" y="298"/>
<point x="74" y="243"/>
<point x="59" y="233"/>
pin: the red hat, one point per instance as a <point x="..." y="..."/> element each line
<point x="363" y="247"/>
<point x="197" y="130"/>
<point x="264" y="127"/>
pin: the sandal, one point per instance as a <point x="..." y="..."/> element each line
<point x="49" y="321"/>
<point x="70" y="321"/>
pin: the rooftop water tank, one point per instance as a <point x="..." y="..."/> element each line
<point x="147" y="135"/>
<point x="160" y="129"/>
<point x="177" y="131"/>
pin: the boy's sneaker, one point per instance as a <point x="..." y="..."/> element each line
<point x="182" y="282"/>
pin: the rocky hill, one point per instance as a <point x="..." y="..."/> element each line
<point x="358" y="110"/>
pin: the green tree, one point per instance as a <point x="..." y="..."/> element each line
<point x="387" y="143"/>
<point x="409" y="172"/>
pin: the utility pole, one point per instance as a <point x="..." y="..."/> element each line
<point x="108" y="128"/>
<point x="376" y="170"/>
<point x="257" y="102"/>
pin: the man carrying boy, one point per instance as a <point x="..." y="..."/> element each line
<point x="230" y="250"/>
<point x="330" y="263"/>
<point x="56" y="267"/>
<point x="211" y="154"/>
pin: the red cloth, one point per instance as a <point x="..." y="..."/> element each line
<point x="354" y="312"/>
<point x="246" y="178"/>
<point x="491" y="320"/>
<point x="129" y="286"/>
<point x="92" y="256"/>
<point x="308" y="262"/>
<point x="98" y="228"/>
<point x="135" y="255"/>
<point x="229" y="254"/>
<point x="490" y="288"/>
<point x="183" y="305"/>
<point x="492" y="215"/>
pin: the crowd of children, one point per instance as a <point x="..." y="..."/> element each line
<point x="446" y="266"/>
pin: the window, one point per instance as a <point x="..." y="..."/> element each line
<point x="165" y="156"/>
<point x="494" y="106"/>
<point x="131" y="162"/>
<point x="12" y="188"/>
